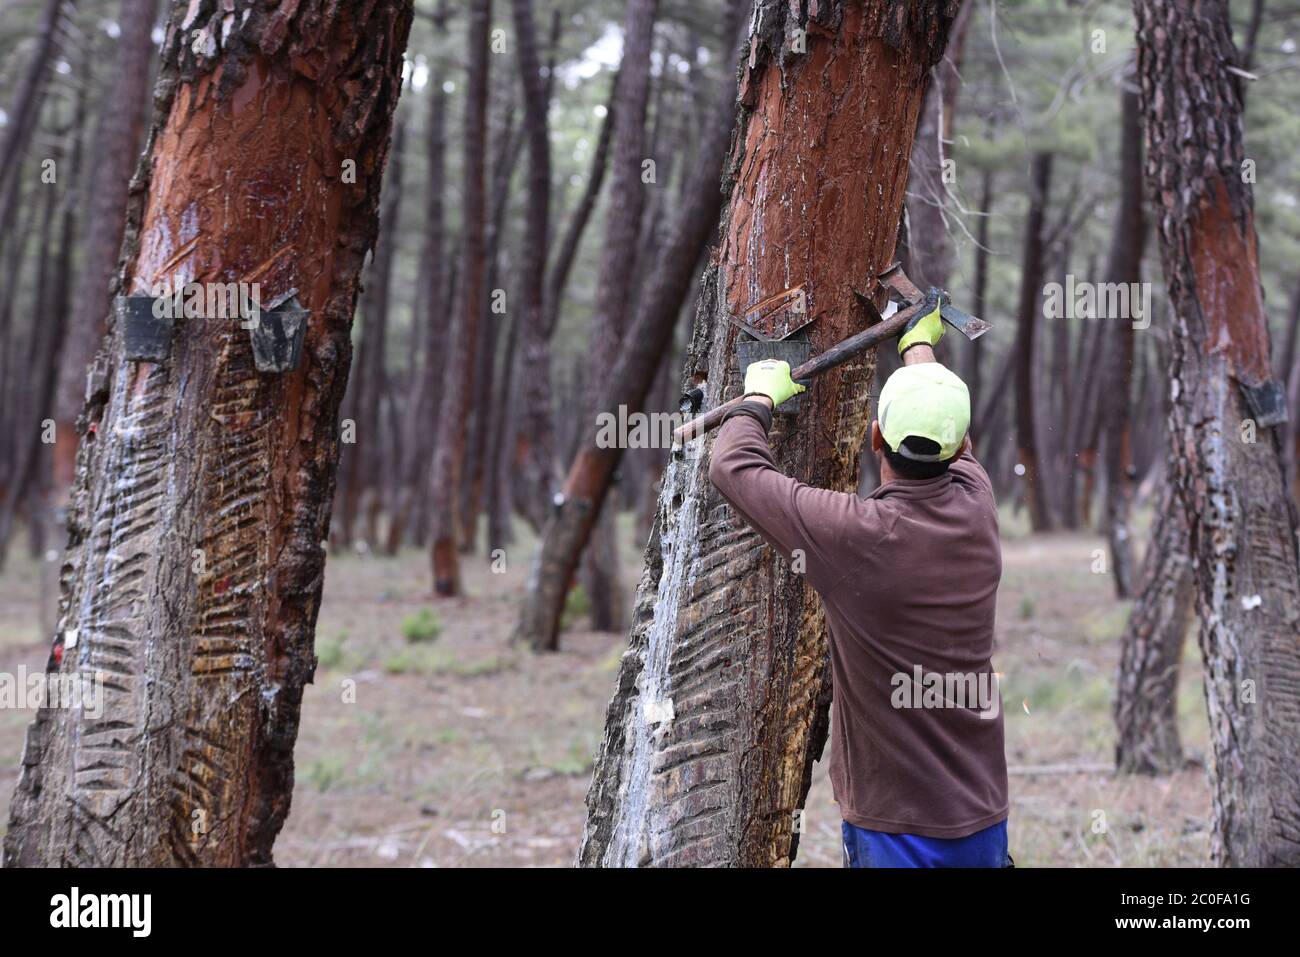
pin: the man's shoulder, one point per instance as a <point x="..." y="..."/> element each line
<point x="967" y="471"/>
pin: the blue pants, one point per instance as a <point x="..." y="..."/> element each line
<point x="986" y="848"/>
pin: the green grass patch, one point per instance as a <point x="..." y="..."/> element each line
<point x="421" y="627"/>
<point x="432" y="661"/>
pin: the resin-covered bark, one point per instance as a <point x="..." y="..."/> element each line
<point x="721" y="705"/>
<point x="193" y="573"/>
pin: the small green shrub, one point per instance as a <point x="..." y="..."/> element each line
<point x="423" y="626"/>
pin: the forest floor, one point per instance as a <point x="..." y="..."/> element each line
<point x="460" y="750"/>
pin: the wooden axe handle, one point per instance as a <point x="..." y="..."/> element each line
<point x="836" y="355"/>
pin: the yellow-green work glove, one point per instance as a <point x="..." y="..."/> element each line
<point x="771" y="377"/>
<point x="927" y="329"/>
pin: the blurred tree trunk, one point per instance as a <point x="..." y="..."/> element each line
<point x="116" y="146"/>
<point x="1293" y="402"/>
<point x="193" y="573"/>
<point x="619" y="250"/>
<point x="420" y="423"/>
<point x="1063" y="447"/>
<point x="12" y="364"/>
<point x="1034" y="480"/>
<point x="979" y="295"/>
<point x="1124" y="265"/>
<point x="529" y="403"/>
<point x="1231" y="479"/>
<point x="22" y="116"/>
<point x="45" y="336"/>
<point x="458" y="367"/>
<point x="371" y="450"/>
<point x="632" y="375"/>
<point x="726" y="675"/>
<point x="928" y="241"/>
<point x="561" y="268"/>
<point x="1086" y="425"/>
<point x="1151" y="648"/>
<point x="1288" y="371"/>
<point x="483" y="415"/>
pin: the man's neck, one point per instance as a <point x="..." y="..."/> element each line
<point x="887" y="474"/>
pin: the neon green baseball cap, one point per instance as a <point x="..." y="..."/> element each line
<point x="926" y="400"/>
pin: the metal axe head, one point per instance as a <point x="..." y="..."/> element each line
<point x="969" y="326"/>
<point x="897" y="281"/>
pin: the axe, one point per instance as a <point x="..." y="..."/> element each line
<point x="914" y="303"/>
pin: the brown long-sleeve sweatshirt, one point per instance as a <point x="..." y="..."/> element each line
<point x="909" y="578"/>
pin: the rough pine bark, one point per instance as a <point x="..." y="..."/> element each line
<point x="458" y="367"/>
<point x="193" y="573"/>
<point x="1230" y="477"/>
<point x="721" y="704"/>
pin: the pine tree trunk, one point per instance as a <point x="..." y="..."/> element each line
<point x="419" y="426"/>
<point x="590" y="475"/>
<point x="22" y="116"/>
<point x="371" y="447"/>
<point x="1230" y="477"/>
<point x="1124" y="266"/>
<point x="117" y="150"/>
<point x="979" y="297"/>
<point x="193" y="573"/>
<point x="529" y="398"/>
<point x="619" y="255"/>
<point x="1151" y="649"/>
<point x="510" y="147"/>
<point x="46" y="336"/>
<point x="929" y="246"/>
<point x="458" y="364"/>
<point x="722" y="697"/>
<point x="1034" y="479"/>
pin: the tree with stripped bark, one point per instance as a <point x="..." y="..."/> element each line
<point x="1227" y="469"/>
<point x="192" y="578"/>
<point x="721" y="705"/>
